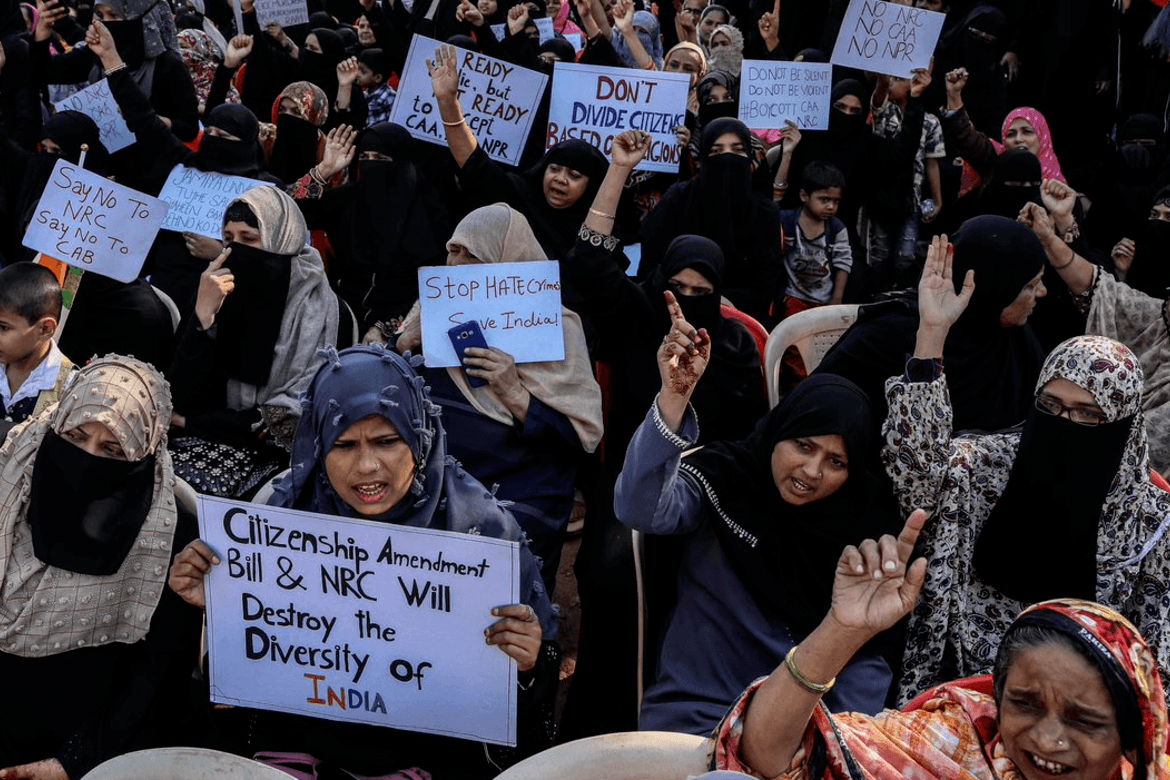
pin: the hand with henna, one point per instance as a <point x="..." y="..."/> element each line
<point x="682" y="359"/>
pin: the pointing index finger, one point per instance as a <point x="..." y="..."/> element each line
<point x="909" y="534"/>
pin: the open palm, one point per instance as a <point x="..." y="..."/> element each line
<point x="938" y="304"/>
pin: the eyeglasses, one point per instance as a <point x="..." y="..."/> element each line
<point x="691" y="11"/>
<point x="1078" y="415"/>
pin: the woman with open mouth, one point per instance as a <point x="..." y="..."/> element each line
<point x="370" y="445"/>
<point x="1075" y="694"/>
<point x="763" y="521"/>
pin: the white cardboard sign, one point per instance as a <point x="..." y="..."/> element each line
<point x="286" y="13"/>
<point x="198" y="199"/>
<point x="96" y="102"/>
<point x="887" y="37"/>
<point x="773" y="93"/>
<point x="517" y="306"/>
<point x="499" y="100"/>
<point x="361" y="621"/>
<point x="595" y="104"/>
<point x="92" y="223"/>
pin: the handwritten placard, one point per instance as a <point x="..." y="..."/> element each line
<point x="198" y="199"/>
<point x="94" y="224"/>
<point x="887" y="37"/>
<point x="773" y="93"/>
<point x="499" y="100"/>
<point x="544" y="26"/>
<point x="517" y="306"/>
<point x="595" y="104"/>
<point x="359" y="621"/>
<point x="286" y="13"/>
<point x="96" y="102"/>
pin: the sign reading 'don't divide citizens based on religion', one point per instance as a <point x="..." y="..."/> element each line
<point x="773" y="93"/>
<point x="517" y="306"/>
<point x="499" y="100"/>
<point x="198" y="199"/>
<point x="595" y="104"/>
<point x="92" y="223"/>
<point x="887" y="37"/>
<point x="360" y="621"/>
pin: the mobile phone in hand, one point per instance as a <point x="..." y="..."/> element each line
<point x="468" y="334"/>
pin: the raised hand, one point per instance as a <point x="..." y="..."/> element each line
<point x="956" y="80"/>
<point x="623" y="16"/>
<point x="1122" y="255"/>
<point x="239" y="47"/>
<point x="920" y="81"/>
<point x="445" y="72"/>
<point x="347" y="72"/>
<point x="682" y="358"/>
<point x="1037" y="218"/>
<point x="875" y="583"/>
<point x="1059" y="198"/>
<point x="339" y="151"/>
<point x="1011" y="65"/>
<point x="49" y="13"/>
<point x="789" y="136"/>
<point x="629" y="147"/>
<point x="517" y="18"/>
<point x="938" y="305"/>
<point x="101" y="43"/>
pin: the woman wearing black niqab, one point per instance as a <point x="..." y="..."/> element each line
<point x="993" y="367"/>
<point x="722" y="205"/>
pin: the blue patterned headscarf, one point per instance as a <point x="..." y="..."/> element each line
<point x="366" y="380"/>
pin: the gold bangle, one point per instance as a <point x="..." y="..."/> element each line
<point x="601" y="214"/>
<point x="801" y="680"/>
<point x="462" y="121"/>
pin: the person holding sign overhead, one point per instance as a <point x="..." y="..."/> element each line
<point x="95" y="650"/>
<point x="554" y="195"/>
<point x="371" y="445"/>
<point x="525" y="429"/>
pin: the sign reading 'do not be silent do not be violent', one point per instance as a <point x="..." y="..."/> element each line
<point x="361" y="621"/>
<point x="773" y="93"/>
<point x="499" y="100"/>
<point x="92" y="223"/>
<point x="887" y="37"/>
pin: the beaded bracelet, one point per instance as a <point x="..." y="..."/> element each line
<point x="801" y="680"/>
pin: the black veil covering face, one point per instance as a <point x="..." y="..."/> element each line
<point x="992" y="369"/>
<point x="224" y="155"/>
<point x="1150" y="271"/>
<point x="1015" y="181"/>
<point x="320" y="68"/>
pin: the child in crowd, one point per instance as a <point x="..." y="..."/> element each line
<point x="33" y="372"/>
<point x="893" y="236"/>
<point x="817" y="255"/>
<point x="373" y="77"/>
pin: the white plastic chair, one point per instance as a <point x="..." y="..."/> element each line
<point x="183" y="763"/>
<point x="812" y="332"/>
<point x="631" y="755"/>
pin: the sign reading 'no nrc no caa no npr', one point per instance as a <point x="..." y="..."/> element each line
<point x="596" y="104"/>
<point x="887" y="37"/>
<point x="360" y="621"/>
<point x="499" y="100"/>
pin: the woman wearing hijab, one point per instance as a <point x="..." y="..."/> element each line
<point x="689" y="58"/>
<point x="725" y="49"/>
<point x="263" y="309"/>
<point x="553" y="195"/>
<point x="631" y="320"/>
<point x="1075" y="692"/>
<point x="358" y="398"/>
<point x="647" y="29"/>
<point x="991" y="352"/>
<point x="798" y="483"/>
<point x="144" y="33"/>
<point x="1122" y="311"/>
<point x="317" y="63"/>
<point x="1065" y="508"/>
<point x="202" y="57"/>
<point x="722" y="205"/>
<point x="976" y="44"/>
<point x="383" y="227"/>
<point x="529" y="426"/>
<point x="97" y="649"/>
